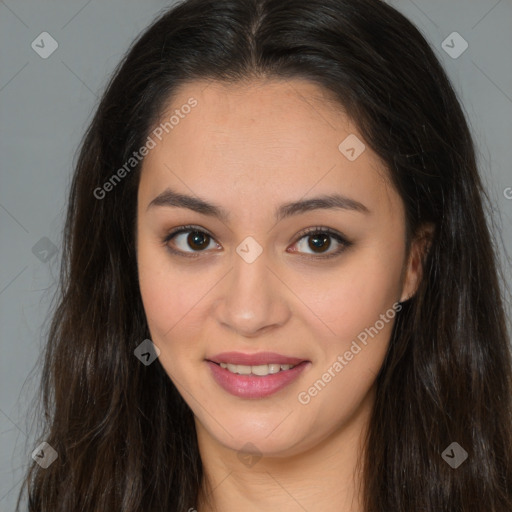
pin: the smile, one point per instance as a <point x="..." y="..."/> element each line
<point x="259" y="370"/>
<point x="252" y="381"/>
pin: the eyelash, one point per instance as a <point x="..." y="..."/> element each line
<point x="344" y="243"/>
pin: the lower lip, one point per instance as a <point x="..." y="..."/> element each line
<point x="253" y="386"/>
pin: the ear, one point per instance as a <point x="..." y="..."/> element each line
<point x="420" y="246"/>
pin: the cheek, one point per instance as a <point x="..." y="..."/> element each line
<point x="358" y="308"/>
<point x="352" y="299"/>
<point x="152" y="283"/>
<point x="174" y="299"/>
<point x="166" y="305"/>
<point x="164" y="294"/>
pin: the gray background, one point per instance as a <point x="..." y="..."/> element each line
<point x="46" y="105"/>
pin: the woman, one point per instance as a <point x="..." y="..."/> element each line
<point x="279" y="290"/>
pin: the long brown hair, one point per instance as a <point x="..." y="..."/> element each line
<point x="125" y="437"/>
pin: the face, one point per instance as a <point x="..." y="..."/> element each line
<point x="269" y="262"/>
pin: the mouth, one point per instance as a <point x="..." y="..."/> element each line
<point x="255" y="375"/>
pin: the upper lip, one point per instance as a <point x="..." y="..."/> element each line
<point x="254" y="359"/>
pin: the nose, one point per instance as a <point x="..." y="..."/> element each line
<point x="253" y="299"/>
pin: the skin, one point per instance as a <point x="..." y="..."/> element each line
<point x="249" y="148"/>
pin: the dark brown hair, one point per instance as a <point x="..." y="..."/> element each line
<point x="126" y="439"/>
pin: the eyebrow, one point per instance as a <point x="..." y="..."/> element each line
<point x="171" y="198"/>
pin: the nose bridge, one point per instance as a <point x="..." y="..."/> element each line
<point x="252" y="299"/>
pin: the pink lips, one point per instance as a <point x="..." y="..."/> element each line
<point x="254" y="386"/>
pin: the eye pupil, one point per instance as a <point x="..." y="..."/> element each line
<point x="197" y="240"/>
<point x="319" y="242"/>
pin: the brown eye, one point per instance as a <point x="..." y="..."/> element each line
<point x="319" y="243"/>
<point x="188" y="240"/>
<point x="198" y="240"/>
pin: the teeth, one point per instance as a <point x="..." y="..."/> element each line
<point x="260" y="370"/>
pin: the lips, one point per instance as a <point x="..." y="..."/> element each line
<point x="260" y="358"/>
<point x="245" y="376"/>
<point x="253" y="386"/>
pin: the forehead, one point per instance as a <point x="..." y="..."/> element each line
<point x="274" y="138"/>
